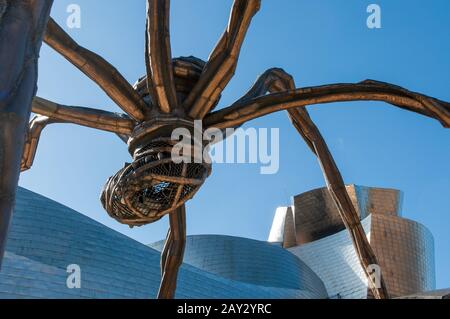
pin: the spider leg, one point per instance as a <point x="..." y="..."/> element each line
<point x="49" y="112"/>
<point x="98" y="70"/>
<point x="249" y="109"/>
<point x="98" y="119"/>
<point x="277" y="80"/>
<point x="172" y="256"/>
<point x="37" y="124"/>
<point x="336" y="186"/>
<point x="123" y="137"/>
<point x="223" y="60"/>
<point x="165" y="250"/>
<point x="160" y="78"/>
<point x="187" y="72"/>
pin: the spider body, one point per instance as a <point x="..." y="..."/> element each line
<point x="175" y="93"/>
<point x="154" y="185"/>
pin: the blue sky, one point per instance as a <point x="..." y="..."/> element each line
<point x="318" y="42"/>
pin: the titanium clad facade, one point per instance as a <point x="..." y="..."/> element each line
<point x="283" y="228"/>
<point x="46" y="237"/>
<point x="405" y="251"/>
<point x="250" y="261"/>
<point x="334" y="260"/>
<point x="316" y="215"/>
<point x="404" y="248"/>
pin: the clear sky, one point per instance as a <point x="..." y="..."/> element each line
<point x="318" y="42"/>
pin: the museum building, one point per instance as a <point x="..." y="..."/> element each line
<point x="308" y="254"/>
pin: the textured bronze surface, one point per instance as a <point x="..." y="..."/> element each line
<point x="153" y="185"/>
<point x="368" y="90"/>
<point x="276" y="80"/>
<point x="97" y="69"/>
<point x="172" y="255"/>
<point x="159" y="57"/>
<point x="37" y="124"/>
<point x="186" y="89"/>
<point x="98" y="119"/>
<point x="22" y="24"/>
<point x="223" y="60"/>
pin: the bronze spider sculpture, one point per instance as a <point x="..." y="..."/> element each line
<point x="174" y="93"/>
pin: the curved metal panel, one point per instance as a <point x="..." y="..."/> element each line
<point x="316" y="215"/>
<point x="46" y="237"/>
<point x="251" y="261"/>
<point x="405" y="251"/>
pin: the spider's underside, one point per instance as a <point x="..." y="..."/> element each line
<point x="174" y="93"/>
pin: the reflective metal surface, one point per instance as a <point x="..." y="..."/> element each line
<point x="46" y="237"/>
<point x="316" y="215"/>
<point x="404" y="248"/>
<point x="405" y="251"/>
<point x="251" y="261"/>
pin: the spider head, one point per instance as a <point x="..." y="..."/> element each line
<point x="158" y="180"/>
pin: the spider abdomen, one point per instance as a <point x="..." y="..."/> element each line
<point x="154" y="184"/>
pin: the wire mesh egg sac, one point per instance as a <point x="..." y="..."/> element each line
<point x="153" y="185"/>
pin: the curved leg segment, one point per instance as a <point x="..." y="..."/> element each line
<point x="336" y="186"/>
<point x="98" y="119"/>
<point x="49" y="112"/>
<point x="98" y="70"/>
<point x="37" y="124"/>
<point x="172" y="255"/>
<point x="223" y="60"/>
<point x="160" y="78"/>
<point x="277" y="80"/>
<point x="249" y="109"/>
